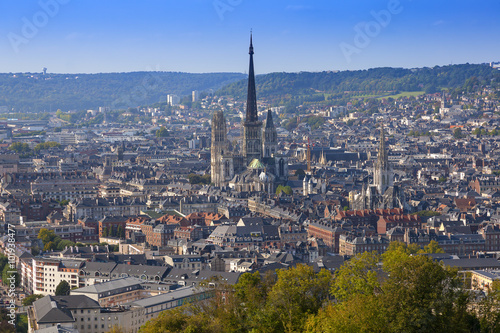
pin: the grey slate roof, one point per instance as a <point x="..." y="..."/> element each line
<point x="109" y="285"/>
<point x="47" y="311"/>
<point x="164" y="298"/>
<point x="139" y="270"/>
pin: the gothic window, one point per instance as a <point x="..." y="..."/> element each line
<point x="383" y="179"/>
<point x="281" y="167"/>
<point x="267" y="152"/>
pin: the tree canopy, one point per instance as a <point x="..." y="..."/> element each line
<point x="63" y="288"/>
<point x="403" y="290"/>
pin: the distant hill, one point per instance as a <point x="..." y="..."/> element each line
<point x="36" y="92"/>
<point x="318" y="86"/>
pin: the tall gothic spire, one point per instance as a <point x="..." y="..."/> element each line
<point x="251" y="96"/>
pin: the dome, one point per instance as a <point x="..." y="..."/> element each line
<point x="256" y="164"/>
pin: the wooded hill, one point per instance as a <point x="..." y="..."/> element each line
<point x="282" y="88"/>
<point x="35" y="92"/>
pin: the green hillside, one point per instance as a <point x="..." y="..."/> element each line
<point x="36" y="93"/>
<point x="281" y="88"/>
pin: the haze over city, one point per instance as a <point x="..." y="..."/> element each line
<point x="209" y="35"/>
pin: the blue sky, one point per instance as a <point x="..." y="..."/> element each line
<point x="92" y="36"/>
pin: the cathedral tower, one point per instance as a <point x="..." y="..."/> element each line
<point x="382" y="171"/>
<point x="219" y="147"/>
<point x="252" y="127"/>
<point x="269" y="137"/>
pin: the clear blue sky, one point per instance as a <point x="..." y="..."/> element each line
<point x="91" y="36"/>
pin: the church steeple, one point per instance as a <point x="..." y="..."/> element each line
<point x="269" y="120"/>
<point x="251" y="95"/>
<point x="269" y="137"/>
<point x="382" y="172"/>
<point x="382" y="152"/>
<point x="252" y="127"/>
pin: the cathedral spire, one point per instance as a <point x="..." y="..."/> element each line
<point x="251" y="112"/>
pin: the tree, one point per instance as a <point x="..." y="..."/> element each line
<point x="20" y="148"/>
<point x="5" y="326"/>
<point x="457" y="133"/>
<point x="3" y="261"/>
<point x="357" y="276"/>
<point x="31" y="298"/>
<point x="432" y="247"/>
<point x="162" y="132"/>
<point x="7" y="273"/>
<point x="285" y="189"/>
<point x="363" y="313"/>
<point x="488" y="313"/>
<point x="46" y="235"/>
<point x="104" y="232"/>
<point x="120" y="232"/>
<point x="429" y="297"/>
<point x="298" y="292"/>
<point x="63" y="288"/>
<point x="397" y="252"/>
<point x="46" y="145"/>
<point x="64" y="244"/>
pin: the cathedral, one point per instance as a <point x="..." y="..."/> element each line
<point x="382" y="194"/>
<point x="258" y="167"/>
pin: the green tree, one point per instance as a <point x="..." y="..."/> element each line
<point x="421" y="295"/>
<point x="120" y="232"/>
<point x="64" y="243"/>
<point x="162" y="132"/>
<point x="3" y="261"/>
<point x="298" y="292"/>
<point x="30" y="299"/>
<point x="5" y="326"/>
<point x="63" y="288"/>
<point x="360" y="313"/>
<point x="285" y="189"/>
<point x="46" y="145"/>
<point x="432" y="247"/>
<point x="46" y="235"/>
<point x="357" y="276"/>
<point x="488" y="313"/>
<point x="20" y="148"/>
<point x="457" y="133"/>
<point x="397" y="252"/>
<point x="8" y="272"/>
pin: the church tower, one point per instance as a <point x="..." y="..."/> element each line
<point x="269" y="137"/>
<point x="252" y="127"/>
<point x="382" y="171"/>
<point x="219" y="147"/>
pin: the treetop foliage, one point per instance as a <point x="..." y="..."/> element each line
<point x="402" y="290"/>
